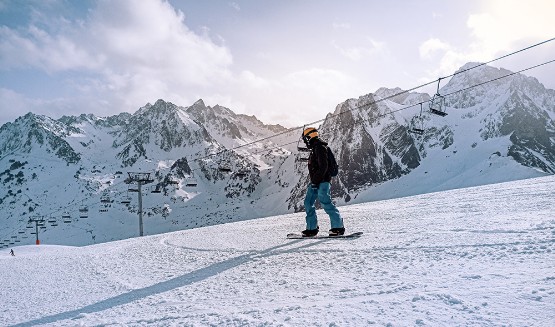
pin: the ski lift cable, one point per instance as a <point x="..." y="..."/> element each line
<point x="501" y="77"/>
<point x="379" y="116"/>
<point x="79" y="203"/>
<point x="84" y="202"/>
<point x="14" y="231"/>
<point x="423" y="102"/>
<point x="375" y="101"/>
<point x="388" y="113"/>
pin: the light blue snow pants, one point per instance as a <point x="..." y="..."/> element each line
<point x="323" y="195"/>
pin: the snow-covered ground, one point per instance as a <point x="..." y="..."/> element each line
<point x="481" y="256"/>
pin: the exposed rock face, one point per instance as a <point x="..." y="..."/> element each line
<point x="369" y="144"/>
<point x="522" y="109"/>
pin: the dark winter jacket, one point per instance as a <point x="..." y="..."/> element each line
<point x="318" y="162"/>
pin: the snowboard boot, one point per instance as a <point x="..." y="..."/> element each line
<point x="310" y="232"/>
<point x="337" y="231"/>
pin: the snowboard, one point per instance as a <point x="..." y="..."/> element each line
<point x="299" y="236"/>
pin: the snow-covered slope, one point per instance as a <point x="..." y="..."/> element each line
<point x="480" y="256"/>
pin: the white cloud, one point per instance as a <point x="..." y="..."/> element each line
<point x="38" y="49"/>
<point x="14" y="105"/>
<point x="498" y="28"/>
<point x="358" y="53"/>
<point x="131" y="52"/>
<point x="235" y="6"/>
<point x="294" y="98"/>
<point x="446" y="57"/>
<point x="431" y="47"/>
<point x="341" y="26"/>
<point x="152" y="39"/>
<point x="506" y="22"/>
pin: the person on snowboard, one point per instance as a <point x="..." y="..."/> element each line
<point x="319" y="187"/>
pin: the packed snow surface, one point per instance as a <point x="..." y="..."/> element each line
<point x="481" y="256"/>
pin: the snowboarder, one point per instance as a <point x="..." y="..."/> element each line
<point x="319" y="187"/>
<point x="11" y="252"/>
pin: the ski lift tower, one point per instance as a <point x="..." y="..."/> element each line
<point x="39" y="221"/>
<point x="140" y="179"/>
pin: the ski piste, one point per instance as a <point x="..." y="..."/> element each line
<point x="299" y="236"/>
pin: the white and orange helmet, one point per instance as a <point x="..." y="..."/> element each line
<point x="309" y="133"/>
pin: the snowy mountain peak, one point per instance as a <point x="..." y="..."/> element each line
<point x="38" y="133"/>
<point x="199" y="103"/>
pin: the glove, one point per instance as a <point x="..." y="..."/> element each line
<point x="314" y="186"/>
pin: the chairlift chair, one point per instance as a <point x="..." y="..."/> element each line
<point x="418" y="124"/>
<point x="191" y="182"/>
<point x="52" y="221"/>
<point x="225" y="168"/>
<point x="300" y="146"/>
<point x="437" y="105"/>
<point x="126" y="200"/>
<point x="241" y="173"/>
<point x="417" y="130"/>
<point x="303" y="149"/>
<point x="302" y="157"/>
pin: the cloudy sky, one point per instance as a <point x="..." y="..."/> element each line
<point x="288" y="61"/>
